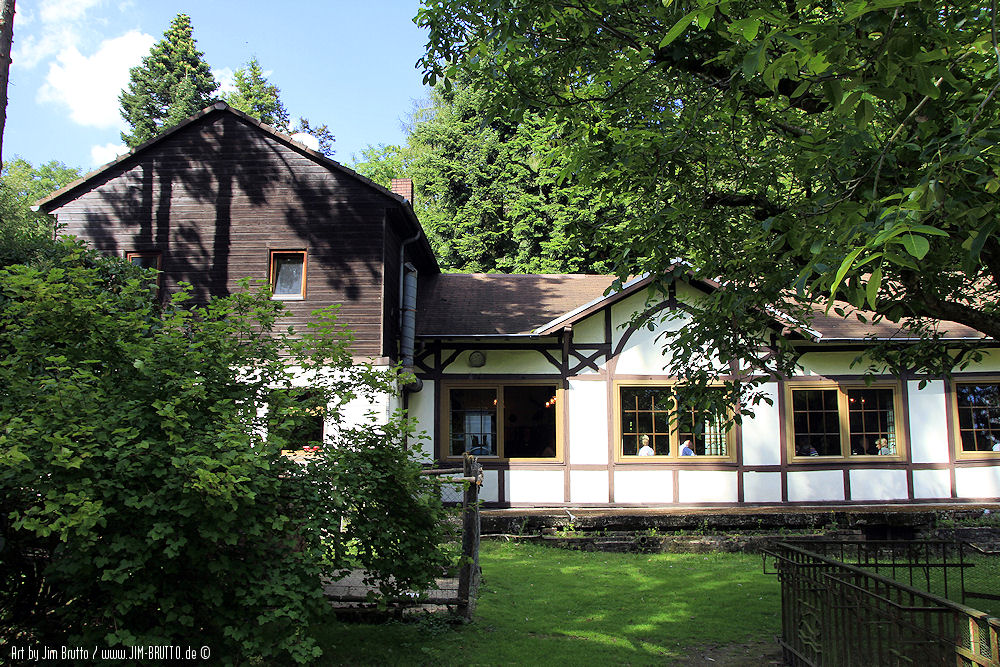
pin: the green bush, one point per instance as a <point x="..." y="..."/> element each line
<point x="141" y="502"/>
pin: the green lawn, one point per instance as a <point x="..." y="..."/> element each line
<point x="547" y="606"/>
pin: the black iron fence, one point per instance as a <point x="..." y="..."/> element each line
<point x="870" y="611"/>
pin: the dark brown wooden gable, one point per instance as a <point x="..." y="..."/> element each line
<point x="216" y="197"/>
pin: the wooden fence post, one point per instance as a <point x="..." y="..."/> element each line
<point x="468" y="573"/>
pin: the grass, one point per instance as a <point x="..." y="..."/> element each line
<point x="545" y="606"/>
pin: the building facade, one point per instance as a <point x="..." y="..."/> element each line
<point x="548" y="379"/>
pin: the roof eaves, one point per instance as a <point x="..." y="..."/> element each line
<point x="46" y="204"/>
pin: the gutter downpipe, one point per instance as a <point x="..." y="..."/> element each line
<point x="408" y="313"/>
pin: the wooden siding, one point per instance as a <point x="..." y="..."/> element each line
<point x="218" y="196"/>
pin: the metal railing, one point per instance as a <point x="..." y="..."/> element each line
<point x="836" y="613"/>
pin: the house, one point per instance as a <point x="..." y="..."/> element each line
<point x="545" y="377"/>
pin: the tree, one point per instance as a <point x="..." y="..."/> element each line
<point x="143" y="497"/>
<point x="489" y="193"/>
<point x="812" y="156"/>
<point x="172" y="83"/>
<point x="6" y="39"/>
<point x="21" y="185"/>
<point x="256" y="96"/>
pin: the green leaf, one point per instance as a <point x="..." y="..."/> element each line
<point x="750" y="29"/>
<point x="845" y="266"/>
<point x="916" y="245"/>
<point x="678" y="28"/>
<point x="754" y="60"/>
<point x="873" y="286"/>
<point x="864" y="114"/>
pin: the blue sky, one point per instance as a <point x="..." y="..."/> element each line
<point x="346" y="63"/>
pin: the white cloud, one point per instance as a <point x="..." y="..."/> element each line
<point x="55" y="25"/>
<point x="53" y="11"/>
<point x="226" y="78"/>
<point x="102" y="154"/>
<point x="90" y="85"/>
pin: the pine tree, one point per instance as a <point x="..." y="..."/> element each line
<point x="258" y="97"/>
<point x="173" y="82"/>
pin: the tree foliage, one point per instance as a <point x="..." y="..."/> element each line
<point x="142" y="500"/>
<point x="257" y="96"/>
<point x="490" y="193"/>
<point x="173" y="82"/>
<point x="805" y="153"/>
<point x="21" y="185"/>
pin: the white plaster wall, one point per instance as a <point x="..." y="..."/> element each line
<point x="762" y="487"/>
<point x="931" y="484"/>
<point x="643" y="352"/>
<point x="504" y="361"/>
<point x="815" y="485"/>
<point x="489" y="492"/>
<point x="762" y="434"/>
<point x="421" y="409"/>
<point x="588" y="422"/>
<point x="978" y="483"/>
<point x="534" y="486"/>
<point x="589" y="330"/>
<point x="589" y="486"/>
<point x="644" y="486"/>
<point x="829" y="363"/>
<point x="990" y="363"/>
<point x="362" y="411"/>
<point x="707" y="486"/>
<point x="878" y="485"/>
<point x="928" y="422"/>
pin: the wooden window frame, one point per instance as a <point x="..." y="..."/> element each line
<point x="499" y="386"/>
<point x="843" y="413"/>
<point x="273" y="274"/>
<point x="675" y="455"/>
<point x="960" y="453"/>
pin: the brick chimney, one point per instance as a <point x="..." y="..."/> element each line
<point x="403" y="187"/>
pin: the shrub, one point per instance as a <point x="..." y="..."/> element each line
<point x="141" y="502"/>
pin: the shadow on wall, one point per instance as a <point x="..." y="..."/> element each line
<point x="217" y="194"/>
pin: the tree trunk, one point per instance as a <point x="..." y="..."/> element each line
<point x="6" y="38"/>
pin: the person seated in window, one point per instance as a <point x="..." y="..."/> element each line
<point x="883" y="447"/>
<point x="686" y="448"/>
<point x="646" y="450"/>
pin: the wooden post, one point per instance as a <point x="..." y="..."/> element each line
<point x="468" y="573"/>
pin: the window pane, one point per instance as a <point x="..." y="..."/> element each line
<point x="979" y="416"/>
<point x="702" y="431"/>
<point x="473" y="421"/>
<point x="296" y="417"/>
<point x="645" y="420"/>
<point x="816" y="421"/>
<point x="146" y="261"/>
<point x="287" y="274"/>
<point x="529" y="422"/>
<point x="873" y="422"/>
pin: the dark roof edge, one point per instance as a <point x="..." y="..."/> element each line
<point x="67" y="192"/>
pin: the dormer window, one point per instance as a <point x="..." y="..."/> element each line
<point x="288" y="274"/>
